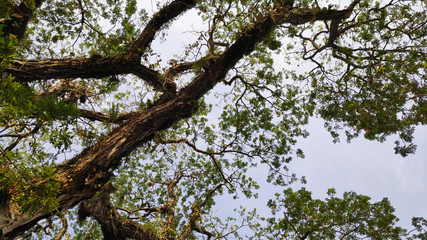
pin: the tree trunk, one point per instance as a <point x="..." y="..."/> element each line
<point x="86" y="174"/>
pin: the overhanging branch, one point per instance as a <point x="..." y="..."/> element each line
<point x="166" y="14"/>
<point x="93" y="67"/>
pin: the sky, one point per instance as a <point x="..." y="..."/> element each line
<point x="366" y="167"/>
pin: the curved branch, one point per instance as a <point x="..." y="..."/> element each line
<point x="166" y="14"/>
<point x="159" y="82"/>
<point x="64" y="227"/>
<point x="210" y="154"/>
<point x="196" y="213"/>
<point x="204" y="232"/>
<point x="19" y="136"/>
<point x="23" y="135"/>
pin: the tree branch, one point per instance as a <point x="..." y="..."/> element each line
<point x="113" y="225"/>
<point x="20" y="15"/>
<point x="308" y="15"/>
<point x="85" y="174"/>
<point x="93" y="67"/>
<point x="210" y="154"/>
<point x="23" y="135"/>
<point x="196" y="213"/>
<point x="64" y="227"/>
<point x="161" y="18"/>
<point x="97" y="116"/>
<point x="182" y="67"/>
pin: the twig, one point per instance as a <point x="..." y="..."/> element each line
<point x="210" y="154"/>
<point x="13" y="164"/>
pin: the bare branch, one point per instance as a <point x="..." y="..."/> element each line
<point x="23" y="135"/>
<point x="64" y="227"/>
<point x="210" y="154"/>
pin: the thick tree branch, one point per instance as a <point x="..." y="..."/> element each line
<point x="177" y="69"/>
<point x="159" y="82"/>
<point x="308" y="15"/>
<point x="203" y="231"/>
<point x="93" y="67"/>
<point x="20" y="15"/>
<point x="165" y="15"/>
<point x="113" y="225"/>
<point x="85" y="174"/>
<point x="97" y="116"/>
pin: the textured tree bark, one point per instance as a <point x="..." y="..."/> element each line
<point x="113" y="225"/>
<point x="166" y="14"/>
<point x="20" y="15"/>
<point x="93" y="67"/>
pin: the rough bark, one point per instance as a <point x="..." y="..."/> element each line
<point x="113" y="225"/>
<point x="20" y="15"/>
<point x="93" y="67"/>
<point x="166" y="14"/>
<point x="87" y="173"/>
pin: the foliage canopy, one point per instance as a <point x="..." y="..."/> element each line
<point x="102" y="136"/>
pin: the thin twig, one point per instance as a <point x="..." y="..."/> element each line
<point x="13" y="164"/>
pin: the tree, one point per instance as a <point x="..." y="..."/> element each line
<point x="100" y="133"/>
